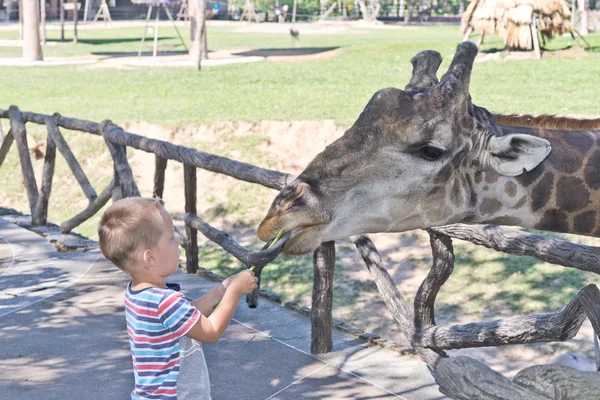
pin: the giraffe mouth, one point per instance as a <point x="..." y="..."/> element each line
<point x="304" y="239"/>
<point x="269" y="252"/>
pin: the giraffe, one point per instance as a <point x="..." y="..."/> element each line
<point x="426" y="156"/>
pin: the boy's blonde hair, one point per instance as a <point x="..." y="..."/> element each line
<point x="128" y="225"/>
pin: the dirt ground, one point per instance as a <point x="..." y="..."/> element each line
<point x="292" y="145"/>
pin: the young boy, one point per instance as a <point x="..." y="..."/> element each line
<point x="165" y="330"/>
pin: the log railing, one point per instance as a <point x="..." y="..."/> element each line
<point x="458" y="377"/>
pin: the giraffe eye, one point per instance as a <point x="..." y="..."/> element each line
<point x="431" y="153"/>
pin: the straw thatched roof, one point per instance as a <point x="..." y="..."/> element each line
<point x="512" y="19"/>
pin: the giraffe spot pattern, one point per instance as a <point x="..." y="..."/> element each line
<point x="584" y="222"/>
<point x="491" y="177"/>
<point x="528" y="177"/>
<point x="540" y="195"/>
<point x="554" y="220"/>
<point x="521" y="202"/>
<point x="580" y="141"/>
<point x="489" y="206"/>
<point x="568" y="158"/>
<point x="510" y="188"/>
<point x="592" y="171"/>
<point x="571" y="194"/>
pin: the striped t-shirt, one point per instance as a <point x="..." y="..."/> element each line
<point x="156" y="319"/>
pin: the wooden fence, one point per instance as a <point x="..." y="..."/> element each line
<point x="459" y="377"/>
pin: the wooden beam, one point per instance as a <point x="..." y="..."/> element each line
<point x="117" y="193"/>
<point x="20" y="134"/>
<point x="6" y="143"/>
<point x="210" y="162"/>
<point x="442" y="267"/>
<point x="41" y="210"/>
<point x="230" y="246"/>
<point x="63" y="122"/>
<point x="322" y="299"/>
<point x="91" y="210"/>
<point x="191" y="245"/>
<point x="401" y="311"/>
<point x="548" y="327"/>
<point x="160" y="165"/>
<point x="65" y="150"/>
<point x="512" y="241"/>
<point x="122" y="168"/>
<point x="462" y="378"/>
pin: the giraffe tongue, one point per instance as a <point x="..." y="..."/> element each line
<point x="266" y="255"/>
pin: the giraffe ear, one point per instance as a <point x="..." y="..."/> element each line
<point x="511" y="155"/>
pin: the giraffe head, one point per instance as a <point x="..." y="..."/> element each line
<point x="408" y="162"/>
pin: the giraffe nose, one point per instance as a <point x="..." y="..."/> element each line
<point x="289" y="196"/>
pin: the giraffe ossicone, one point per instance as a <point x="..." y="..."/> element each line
<point x="426" y="156"/>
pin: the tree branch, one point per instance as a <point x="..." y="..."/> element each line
<point x="442" y="267"/>
<point x="398" y="307"/>
<point x="549" y="327"/>
<point x="554" y="251"/>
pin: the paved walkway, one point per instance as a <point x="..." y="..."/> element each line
<point x="62" y="335"/>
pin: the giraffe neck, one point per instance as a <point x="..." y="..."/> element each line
<point x="562" y="194"/>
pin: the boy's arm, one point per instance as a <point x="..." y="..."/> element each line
<point x="209" y="329"/>
<point x="206" y="303"/>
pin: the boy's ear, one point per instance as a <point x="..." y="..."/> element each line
<point x="148" y="256"/>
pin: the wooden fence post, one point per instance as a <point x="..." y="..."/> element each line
<point x="18" y="129"/>
<point x="191" y="246"/>
<point x="116" y="192"/>
<point x="160" y="165"/>
<point x="65" y="150"/>
<point x="92" y="208"/>
<point x="122" y="168"/>
<point x="6" y="143"/>
<point x="322" y="299"/>
<point x="41" y="209"/>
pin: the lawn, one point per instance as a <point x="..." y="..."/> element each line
<point x="336" y="89"/>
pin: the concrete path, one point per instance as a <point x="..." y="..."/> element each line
<point x="62" y="335"/>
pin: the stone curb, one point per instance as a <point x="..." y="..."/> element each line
<point x="73" y="242"/>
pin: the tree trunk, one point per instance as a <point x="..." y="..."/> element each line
<point x="408" y="12"/>
<point x="43" y="18"/>
<point x="75" y="16"/>
<point x="584" y="7"/>
<point x="21" y="20"/>
<point x="197" y="25"/>
<point x="32" y="50"/>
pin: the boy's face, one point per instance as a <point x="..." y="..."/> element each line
<point x="167" y="250"/>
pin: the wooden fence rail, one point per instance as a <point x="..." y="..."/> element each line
<point x="416" y="322"/>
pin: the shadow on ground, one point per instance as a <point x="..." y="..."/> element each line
<point x="303" y="51"/>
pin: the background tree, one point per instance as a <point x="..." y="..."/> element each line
<point x="32" y="50"/>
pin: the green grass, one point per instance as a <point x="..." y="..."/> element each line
<point x="335" y="89"/>
<point x="485" y="284"/>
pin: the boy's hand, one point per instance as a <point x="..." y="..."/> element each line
<point x="243" y="283"/>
